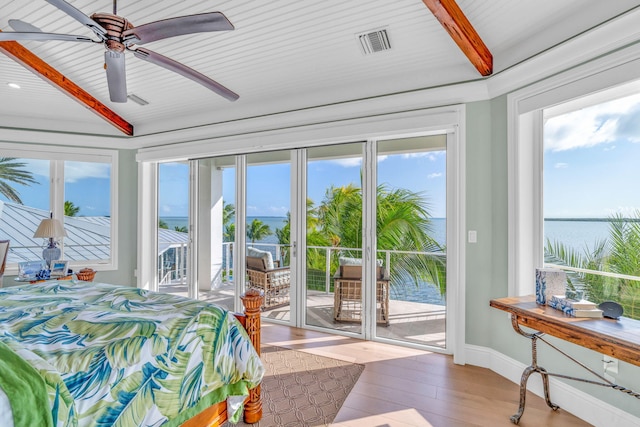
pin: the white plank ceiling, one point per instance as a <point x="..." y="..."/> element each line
<point x="283" y="55"/>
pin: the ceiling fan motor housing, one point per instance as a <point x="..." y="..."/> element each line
<point x="114" y="25"/>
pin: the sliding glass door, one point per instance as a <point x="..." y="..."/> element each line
<point x="333" y="253"/>
<point x="349" y="237"/>
<point x="267" y="226"/>
<point x="173" y="222"/>
<point x="411" y="223"/>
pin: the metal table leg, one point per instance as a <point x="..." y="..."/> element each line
<point x="530" y="370"/>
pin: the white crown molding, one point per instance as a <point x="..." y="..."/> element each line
<point x="62" y="138"/>
<point x="421" y="121"/>
<point x="570" y="399"/>
<point x="379" y="106"/>
<point x="618" y="33"/>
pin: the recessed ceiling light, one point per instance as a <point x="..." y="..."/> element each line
<point x="13" y="85"/>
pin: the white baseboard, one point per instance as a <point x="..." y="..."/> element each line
<point x="570" y="399"/>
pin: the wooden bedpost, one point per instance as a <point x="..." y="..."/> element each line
<point x="252" y="301"/>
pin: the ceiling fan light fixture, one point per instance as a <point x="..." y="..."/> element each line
<point x="13" y="85"/>
<point x="135" y="98"/>
<point x="374" y="41"/>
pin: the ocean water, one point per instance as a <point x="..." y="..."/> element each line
<point x="576" y="233"/>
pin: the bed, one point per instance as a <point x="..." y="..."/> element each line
<point x="94" y="354"/>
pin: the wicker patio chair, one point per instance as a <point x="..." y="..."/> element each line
<point x="264" y="275"/>
<point x="347" y="296"/>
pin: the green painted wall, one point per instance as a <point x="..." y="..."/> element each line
<point x="128" y="224"/>
<point x="487" y="267"/>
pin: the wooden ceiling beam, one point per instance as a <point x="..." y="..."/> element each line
<point x="30" y="61"/>
<point x="449" y="14"/>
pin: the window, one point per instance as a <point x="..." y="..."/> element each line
<point x="572" y="142"/>
<point x="76" y="186"/>
<point x="591" y="206"/>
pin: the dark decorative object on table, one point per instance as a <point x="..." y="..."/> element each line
<point x="43" y="275"/>
<point x="611" y="309"/>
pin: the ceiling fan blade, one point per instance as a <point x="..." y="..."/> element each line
<point x="80" y="17"/>
<point x="116" y="76"/>
<point x="40" y="36"/>
<point x="185" y="71"/>
<point x="23" y="27"/>
<point x="157" y="30"/>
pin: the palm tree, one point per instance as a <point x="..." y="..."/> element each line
<point x="229" y="228"/>
<point x="402" y="223"/>
<point x="181" y="228"/>
<point x="258" y="230"/>
<point x="10" y="171"/>
<point x="620" y="254"/>
<point x="162" y="224"/>
<point x="70" y="209"/>
<point x="228" y="213"/>
<point x="229" y="233"/>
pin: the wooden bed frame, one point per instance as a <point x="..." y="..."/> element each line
<point x="216" y="415"/>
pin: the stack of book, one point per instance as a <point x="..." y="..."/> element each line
<point x="575" y="308"/>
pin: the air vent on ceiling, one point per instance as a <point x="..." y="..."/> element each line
<point x="374" y="41"/>
<point x="135" y="98"/>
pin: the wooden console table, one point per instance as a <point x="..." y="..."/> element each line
<point x="616" y="338"/>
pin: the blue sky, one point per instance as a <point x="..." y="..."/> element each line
<point x="268" y="189"/>
<point x="86" y="184"/>
<point x="591" y="161"/>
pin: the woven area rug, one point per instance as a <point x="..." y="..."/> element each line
<point x="302" y="389"/>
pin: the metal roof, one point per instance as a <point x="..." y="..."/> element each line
<point x="88" y="238"/>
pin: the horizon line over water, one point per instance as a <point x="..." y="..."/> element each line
<point x="579" y="233"/>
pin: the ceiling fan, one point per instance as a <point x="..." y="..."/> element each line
<point x="117" y="35"/>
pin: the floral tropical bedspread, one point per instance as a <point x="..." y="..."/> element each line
<point x="92" y="354"/>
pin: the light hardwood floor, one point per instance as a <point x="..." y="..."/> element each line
<point x="408" y="387"/>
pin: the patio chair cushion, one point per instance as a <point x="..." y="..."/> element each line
<point x="266" y="257"/>
<point x="344" y="260"/>
<point x="351" y="268"/>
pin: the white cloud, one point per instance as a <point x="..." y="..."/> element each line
<point x="600" y="124"/>
<point x="431" y="155"/>
<point x="36" y="166"/>
<point x="561" y="165"/>
<point x="75" y="171"/>
<point x="279" y="210"/>
<point x="613" y="147"/>
<point x="348" y="163"/>
<point x="434" y="175"/>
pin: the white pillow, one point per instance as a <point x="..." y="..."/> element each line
<point x="265" y="255"/>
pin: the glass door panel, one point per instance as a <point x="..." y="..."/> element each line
<point x="173" y="221"/>
<point x="334" y="237"/>
<point x="268" y="208"/>
<point x="216" y="230"/>
<point x="411" y="239"/>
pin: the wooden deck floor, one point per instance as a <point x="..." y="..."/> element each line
<point x="408" y="321"/>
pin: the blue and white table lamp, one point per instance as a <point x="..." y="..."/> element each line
<point x="50" y="229"/>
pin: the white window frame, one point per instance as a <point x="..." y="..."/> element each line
<point x="525" y="150"/>
<point x="57" y="156"/>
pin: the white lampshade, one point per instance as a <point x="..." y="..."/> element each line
<point x="49" y="228"/>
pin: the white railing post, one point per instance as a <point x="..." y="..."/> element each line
<point x="327" y="273"/>
<point x="387" y="261"/>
